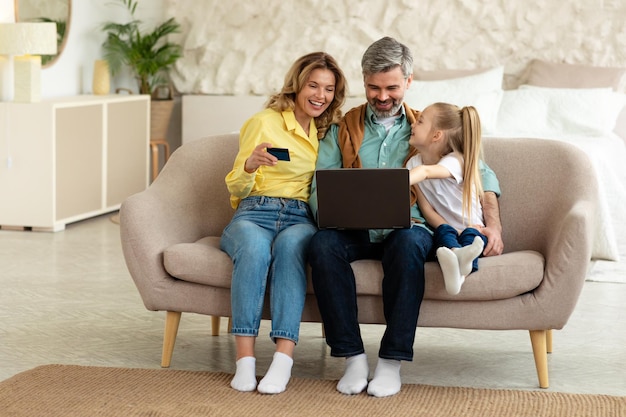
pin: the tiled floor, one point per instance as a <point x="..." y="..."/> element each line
<point x="67" y="298"/>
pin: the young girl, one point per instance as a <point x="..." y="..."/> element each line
<point x="449" y="188"/>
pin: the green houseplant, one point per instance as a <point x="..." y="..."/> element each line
<point x="148" y="54"/>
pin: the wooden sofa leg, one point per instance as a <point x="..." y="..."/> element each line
<point x="172" y="320"/>
<point x="549" y="341"/>
<point x="230" y="325"/>
<point x="215" y="325"/>
<point x="540" y="351"/>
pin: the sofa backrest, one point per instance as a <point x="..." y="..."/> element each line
<point x="198" y="170"/>
<point x="540" y="180"/>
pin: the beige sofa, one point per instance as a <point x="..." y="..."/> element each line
<point x="170" y="237"/>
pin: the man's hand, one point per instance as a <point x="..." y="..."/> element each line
<point x="495" y="246"/>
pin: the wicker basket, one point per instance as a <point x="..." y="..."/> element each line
<point x="160" y="115"/>
<point x="161" y="107"/>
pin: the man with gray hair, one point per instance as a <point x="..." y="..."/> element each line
<point x="376" y="135"/>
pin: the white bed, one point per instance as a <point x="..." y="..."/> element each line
<point x="608" y="156"/>
<point x="585" y="117"/>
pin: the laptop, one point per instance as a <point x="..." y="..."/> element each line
<point x="363" y="198"/>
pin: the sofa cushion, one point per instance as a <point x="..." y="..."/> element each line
<point x="202" y="262"/>
<point x="498" y="277"/>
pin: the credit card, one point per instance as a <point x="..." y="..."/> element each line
<point x="281" y="153"/>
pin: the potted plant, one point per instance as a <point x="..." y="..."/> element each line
<point x="150" y="56"/>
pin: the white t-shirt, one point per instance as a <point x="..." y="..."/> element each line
<point x="446" y="195"/>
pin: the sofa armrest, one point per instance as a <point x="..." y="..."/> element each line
<point x="567" y="253"/>
<point x="187" y="201"/>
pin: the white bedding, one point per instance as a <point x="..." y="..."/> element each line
<point x="584" y="118"/>
<point x="608" y="156"/>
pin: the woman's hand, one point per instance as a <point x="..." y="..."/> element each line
<point x="259" y="157"/>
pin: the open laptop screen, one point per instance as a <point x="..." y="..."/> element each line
<point x="363" y="198"/>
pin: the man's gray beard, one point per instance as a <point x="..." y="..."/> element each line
<point x="384" y="114"/>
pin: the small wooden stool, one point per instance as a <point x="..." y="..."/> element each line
<point x="154" y="146"/>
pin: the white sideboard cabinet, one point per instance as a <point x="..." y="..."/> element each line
<point x="67" y="159"/>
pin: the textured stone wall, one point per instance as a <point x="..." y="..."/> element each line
<point x="245" y="47"/>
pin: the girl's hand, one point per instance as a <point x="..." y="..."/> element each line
<point x="259" y="157"/>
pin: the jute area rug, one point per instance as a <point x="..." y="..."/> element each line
<point x="67" y="390"/>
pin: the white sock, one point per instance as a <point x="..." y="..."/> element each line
<point x="467" y="254"/>
<point x="277" y="377"/>
<point x="386" y="380"/>
<point x="355" y="376"/>
<point x="449" y="264"/>
<point x="245" y="376"/>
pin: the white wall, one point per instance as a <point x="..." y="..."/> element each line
<point x="7" y="13"/>
<point x="72" y="73"/>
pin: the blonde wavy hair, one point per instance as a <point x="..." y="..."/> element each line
<point x="296" y="79"/>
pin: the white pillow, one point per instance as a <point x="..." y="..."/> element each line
<point x="536" y="111"/>
<point x="483" y="91"/>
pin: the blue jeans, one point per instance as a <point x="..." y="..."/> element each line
<point x="446" y="235"/>
<point x="267" y="239"/>
<point x="403" y="254"/>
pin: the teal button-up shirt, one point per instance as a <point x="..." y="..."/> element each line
<point x="381" y="149"/>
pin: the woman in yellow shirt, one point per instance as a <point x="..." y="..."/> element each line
<point x="267" y="238"/>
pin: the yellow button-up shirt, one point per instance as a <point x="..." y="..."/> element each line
<point x="287" y="179"/>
